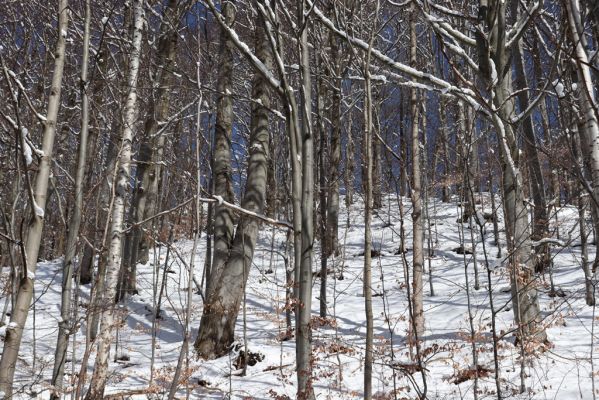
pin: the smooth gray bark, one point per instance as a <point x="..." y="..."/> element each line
<point x="38" y="197"/>
<point x="223" y="224"/>
<point x="368" y="206"/>
<point x="217" y="327"/>
<point x="523" y="283"/>
<point x="303" y="329"/>
<point x="535" y="173"/>
<point x="322" y="192"/>
<point x="416" y="197"/>
<point x="66" y="324"/>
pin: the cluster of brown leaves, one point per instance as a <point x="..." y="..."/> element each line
<point x="320" y="322"/>
<point x="464" y="375"/>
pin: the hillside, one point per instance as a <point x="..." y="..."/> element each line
<point x="560" y="371"/>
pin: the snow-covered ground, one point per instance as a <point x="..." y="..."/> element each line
<point x="561" y="372"/>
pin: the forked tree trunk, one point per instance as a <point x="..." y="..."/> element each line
<point x="18" y="318"/>
<point x="108" y="321"/>
<point x="217" y="327"/>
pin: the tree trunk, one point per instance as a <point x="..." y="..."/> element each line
<point x="446" y="185"/>
<point x="523" y="286"/>
<point x="38" y="199"/>
<point x="217" y="327"/>
<point x="417" y="216"/>
<point x="540" y="219"/>
<point x="221" y="173"/>
<point x="332" y="224"/>
<point x="588" y="106"/>
<point x="100" y="374"/>
<point x="322" y="192"/>
<point x="377" y="179"/>
<point x="66" y="325"/>
<point x="368" y="206"/>
<point x="150" y="155"/>
<point x="303" y="330"/>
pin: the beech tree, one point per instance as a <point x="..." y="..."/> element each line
<point x="294" y="122"/>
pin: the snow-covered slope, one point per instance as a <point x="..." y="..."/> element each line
<point x="563" y="371"/>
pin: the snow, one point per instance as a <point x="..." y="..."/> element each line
<point x="26" y="148"/>
<point x="257" y="147"/>
<point x="381" y="78"/>
<point x="104" y="20"/>
<point x="561" y="372"/>
<point x="559" y="89"/>
<point x="38" y="210"/>
<point x="493" y="72"/>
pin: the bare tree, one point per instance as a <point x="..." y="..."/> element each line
<point x="417" y="215"/>
<point x="495" y="58"/>
<point x="67" y="324"/>
<point x="217" y="327"/>
<point x="150" y="159"/>
<point x="37" y="197"/>
<point x="109" y="318"/>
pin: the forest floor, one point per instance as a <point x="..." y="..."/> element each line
<point x="561" y="371"/>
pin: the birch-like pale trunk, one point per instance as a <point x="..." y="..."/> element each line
<point x="66" y="325"/>
<point x="18" y="318"/>
<point x="149" y="159"/>
<point x="588" y="105"/>
<point x="108" y="317"/>
<point x="583" y="205"/>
